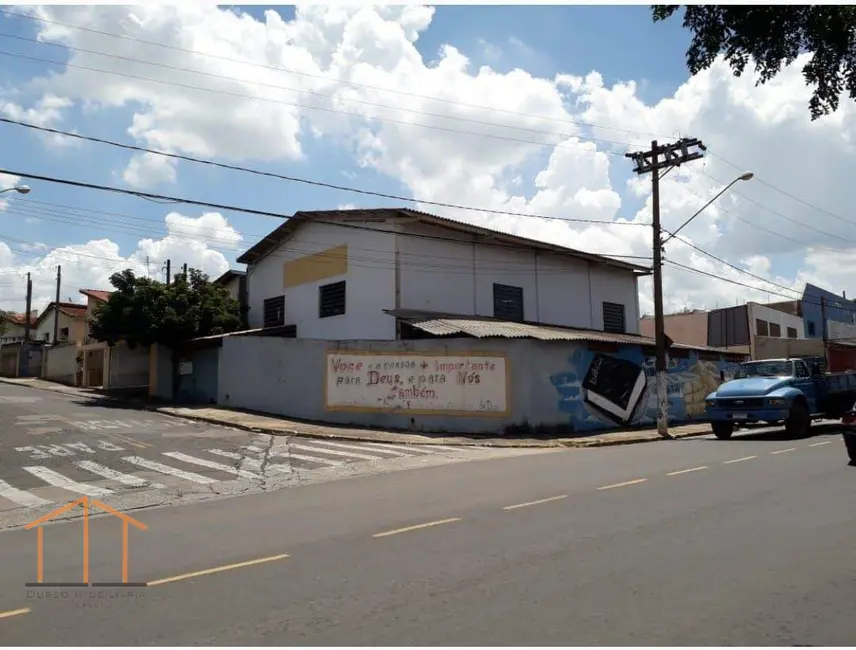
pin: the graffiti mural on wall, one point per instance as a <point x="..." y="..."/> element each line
<point x="601" y="390"/>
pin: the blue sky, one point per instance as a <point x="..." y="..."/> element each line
<point x="621" y="44"/>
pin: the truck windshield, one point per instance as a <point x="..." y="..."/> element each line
<point x="765" y="369"/>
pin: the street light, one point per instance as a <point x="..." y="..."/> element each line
<point x="746" y="176"/>
<point x="20" y="189"/>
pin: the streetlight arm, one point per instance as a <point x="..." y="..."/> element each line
<point x="702" y="209"/>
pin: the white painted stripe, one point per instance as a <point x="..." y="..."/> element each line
<point x="21" y="497"/>
<point x="187" y="458"/>
<point x="333" y="452"/>
<point x="113" y="475"/>
<point x="56" y="479"/>
<point x="447" y="448"/>
<point x="386" y="448"/>
<point x="818" y="444"/>
<point x="249" y="464"/>
<point x="171" y="471"/>
<point x="315" y="459"/>
<point x="739" y="460"/>
<point x="360" y="447"/>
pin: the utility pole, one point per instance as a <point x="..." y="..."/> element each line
<point x="662" y="157"/>
<point x="56" y="304"/>
<point x="168" y="272"/>
<point x="184" y="271"/>
<point x="29" y="307"/>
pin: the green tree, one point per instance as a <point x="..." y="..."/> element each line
<point x="142" y="311"/>
<point x="772" y="36"/>
<point x="4" y="324"/>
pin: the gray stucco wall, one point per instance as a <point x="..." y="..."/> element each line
<point x="287" y="377"/>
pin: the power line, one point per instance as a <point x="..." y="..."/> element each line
<point x="723" y="279"/>
<point x="295" y="179"/>
<point x="177" y="84"/>
<point x="317" y="94"/>
<point x="323" y="77"/>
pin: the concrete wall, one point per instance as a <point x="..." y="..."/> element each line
<point x="370" y="284"/>
<point x="689" y="329"/>
<point x="778" y="348"/>
<point x="128" y="368"/>
<point x="458" y="277"/>
<point x="544" y="382"/>
<point x="60" y="363"/>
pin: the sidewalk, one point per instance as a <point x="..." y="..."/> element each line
<point x="274" y="425"/>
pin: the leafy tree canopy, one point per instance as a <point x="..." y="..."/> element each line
<point x="772" y="36"/>
<point x="142" y="311"/>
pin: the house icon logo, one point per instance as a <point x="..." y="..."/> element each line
<point x="87" y="504"/>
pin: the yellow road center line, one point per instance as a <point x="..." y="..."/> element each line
<point x="218" y="569"/>
<point x="687" y="471"/>
<point x="739" y="460"/>
<point x="783" y="451"/>
<point x="15" y="612"/>
<point x="535" y="503"/>
<point x="416" y="527"/>
<point x="618" y="485"/>
<point x="818" y="444"/>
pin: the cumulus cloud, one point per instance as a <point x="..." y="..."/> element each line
<point x="88" y="265"/>
<point x="328" y="72"/>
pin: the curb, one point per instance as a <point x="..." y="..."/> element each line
<point x="580" y="443"/>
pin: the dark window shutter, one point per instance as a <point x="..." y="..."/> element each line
<point x="274" y="312"/>
<point x="507" y="302"/>
<point x="331" y="299"/>
<point x="613" y="318"/>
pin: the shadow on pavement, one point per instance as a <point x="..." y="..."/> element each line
<point x="776" y="434"/>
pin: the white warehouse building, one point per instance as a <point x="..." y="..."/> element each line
<point x="376" y="274"/>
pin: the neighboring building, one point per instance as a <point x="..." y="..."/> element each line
<point x="235" y="282"/>
<point x="95" y="354"/>
<point x="71" y="327"/>
<point x="732" y="328"/>
<point x="356" y="274"/>
<point x="815" y="300"/>
<point x="15" y="327"/>
<point x="689" y="327"/>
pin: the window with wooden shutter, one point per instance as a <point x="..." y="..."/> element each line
<point x="792" y="332"/>
<point x="507" y="302"/>
<point x="613" y="318"/>
<point x="331" y="299"/>
<point x="762" y="327"/>
<point x="775" y="330"/>
<point x="274" y="311"/>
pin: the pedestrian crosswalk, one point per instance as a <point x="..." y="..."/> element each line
<point x="37" y="485"/>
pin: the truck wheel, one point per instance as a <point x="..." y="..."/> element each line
<point x="798" y="422"/>
<point x="722" y="430"/>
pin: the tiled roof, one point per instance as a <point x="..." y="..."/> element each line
<point x="481" y="327"/>
<point x="269" y="243"/>
<point x="103" y="296"/>
<point x="70" y="309"/>
<point x="19" y="319"/>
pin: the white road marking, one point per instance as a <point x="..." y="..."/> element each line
<point x="187" y="458"/>
<point x="315" y="459"/>
<point x="113" y="475"/>
<point x="386" y="448"/>
<point x="333" y="452"/>
<point x="739" y="460"/>
<point x="21" y="497"/>
<point x="247" y="463"/>
<point x="445" y="448"/>
<point x="56" y="479"/>
<point x="171" y="471"/>
<point x="361" y="447"/>
<point x="818" y="444"/>
<point x="687" y="471"/>
<point x="783" y="451"/>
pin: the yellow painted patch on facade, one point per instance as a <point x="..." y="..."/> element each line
<point x="311" y="268"/>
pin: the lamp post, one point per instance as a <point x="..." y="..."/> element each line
<point x="659" y="316"/>
<point x="20" y="189"/>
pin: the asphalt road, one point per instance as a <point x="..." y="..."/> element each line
<point x="692" y="542"/>
<point x="55" y="447"/>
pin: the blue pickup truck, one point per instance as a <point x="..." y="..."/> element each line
<point x="776" y="391"/>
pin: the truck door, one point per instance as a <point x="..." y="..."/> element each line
<point x="804" y="382"/>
